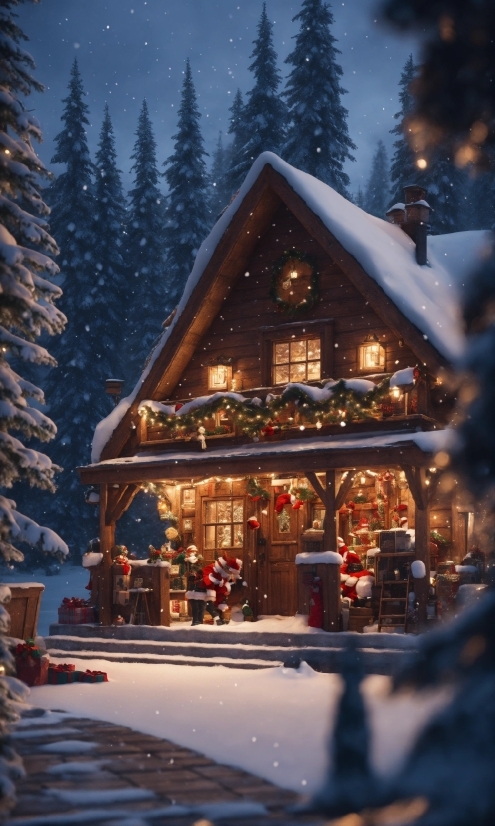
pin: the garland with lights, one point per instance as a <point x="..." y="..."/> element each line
<point x="255" y="491"/>
<point x="313" y="295"/>
<point x="255" y="418"/>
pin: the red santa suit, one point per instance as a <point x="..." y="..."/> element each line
<point x="217" y="578"/>
<point x="355" y="584"/>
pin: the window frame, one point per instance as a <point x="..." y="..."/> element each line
<point x="206" y="524"/>
<point x="324" y="328"/>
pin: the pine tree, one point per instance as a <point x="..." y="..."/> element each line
<point x="403" y="168"/>
<point x="378" y="187"/>
<point x="234" y="178"/>
<point x="148" y="297"/>
<point x="481" y="198"/>
<point x="265" y="113"/>
<point x="359" y="199"/>
<point x="27" y="310"/>
<point x="318" y="141"/>
<point x="186" y="175"/>
<point x="219" y="194"/>
<point x="109" y="223"/>
<point x="83" y="352"/>
<point x="442" y="180"/>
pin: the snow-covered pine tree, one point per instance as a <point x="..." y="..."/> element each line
<point x="378" y="186"/>
<point x="27" y="311"/>
<point x="77" y="388"/>
<point x="149" y="301"/>
<point x="318" y="140"/>
<point x="219" y="194"/>
<point x="442" y="180"/>
<point x="109" y="223"/>
<point x="265" y="113"/>
<point x="187" y="201"/>
<point x="233" y="178"/>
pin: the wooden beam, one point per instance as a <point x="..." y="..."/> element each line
<point x="316" y="485"/>
<point x="327" y="495"/>
<point x="415" y="480"/>
<point x="188" y="465"/>
<point x="344" y="489"/>
<point x="123" y="501"/>
<point x="330" y="523"/>
<point x="104" y="569"/>
<point x="422" y="549"/>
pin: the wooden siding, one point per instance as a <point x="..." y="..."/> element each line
<point x="235" y="331"/>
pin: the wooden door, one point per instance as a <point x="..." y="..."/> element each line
<point x="277" y="585"/>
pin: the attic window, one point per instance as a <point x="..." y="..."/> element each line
<point x="296" y="360"/>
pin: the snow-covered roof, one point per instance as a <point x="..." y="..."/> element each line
<point x="430" y="442"/>
<point x="426" y="295"/>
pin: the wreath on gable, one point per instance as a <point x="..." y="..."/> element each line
<point x="295" y="283"/>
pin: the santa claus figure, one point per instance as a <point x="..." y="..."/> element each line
<point x="343" y="549"/>
<point x="356" y="581"/>
<point x="211" y="589"/>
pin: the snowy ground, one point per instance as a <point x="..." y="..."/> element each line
<point x="271" y="722"/>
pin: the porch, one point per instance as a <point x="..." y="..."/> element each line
<point x="332" y="468"/>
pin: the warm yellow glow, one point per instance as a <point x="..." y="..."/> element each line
<point x="395" y="393"/>
<point x="421" y="163"/>
<point x="371" y="355"/>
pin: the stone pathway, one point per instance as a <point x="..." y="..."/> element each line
<point x="84" y="771"/>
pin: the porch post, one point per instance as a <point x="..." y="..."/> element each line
<point x="415" y="479"/>
<point x="107" y="541"/>
<point x="330" y="525"/>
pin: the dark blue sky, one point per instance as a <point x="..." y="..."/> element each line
<point x="130" y="49"/>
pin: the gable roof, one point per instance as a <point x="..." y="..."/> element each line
<point x="420" y="303"/>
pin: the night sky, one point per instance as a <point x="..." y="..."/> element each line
<point x="130" y="49"/>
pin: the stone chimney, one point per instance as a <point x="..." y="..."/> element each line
<point x="417" y="219"/>
<point x="413" y="217"/>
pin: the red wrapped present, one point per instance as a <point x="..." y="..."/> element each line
<point x="31" y="667"/>
<point x="75" y="611"/>
<point x="62" y="674"/>
<point x="92" y="676"/>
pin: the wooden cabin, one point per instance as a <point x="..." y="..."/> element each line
<point x="309" y="355"/>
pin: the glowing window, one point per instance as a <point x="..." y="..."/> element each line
<point x="296" y="360"/>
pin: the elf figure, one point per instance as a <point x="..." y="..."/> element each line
<point x="211" y="588"/>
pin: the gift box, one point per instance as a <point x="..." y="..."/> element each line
<point x="121" y="597"/>
<point x="92" y="676"/>
<point x="62" y="674"/>
<point x="75" y="611"/>
<point x="31" y="667"/>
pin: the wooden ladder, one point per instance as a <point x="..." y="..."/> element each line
<point x="399" y="620"/>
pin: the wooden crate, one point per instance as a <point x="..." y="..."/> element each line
<point x="24" y="608"/>
<point x="158" y="579"/>
<point x="394" y="541"/>
<point x="359" y="617"/>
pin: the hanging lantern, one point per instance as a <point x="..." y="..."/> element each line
<point x="371" y="354"/>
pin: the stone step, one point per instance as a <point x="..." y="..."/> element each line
<point x="233" y="635"/>
<point x="238" y="655"/>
